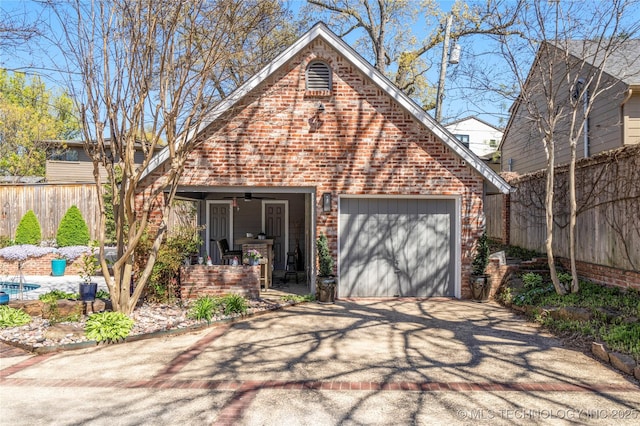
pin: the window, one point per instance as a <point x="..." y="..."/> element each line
<point x="493" y="143"/>
<point x="464" y="139"/>
<point x="68" y="155"/>
<point x="318" y="76"/>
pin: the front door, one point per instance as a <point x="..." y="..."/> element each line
<point x="219" y="227"/>
<point x="275" y="221"/>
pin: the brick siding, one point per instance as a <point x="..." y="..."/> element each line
<point x="363" y="142"/>
<point x="37" y="266"/>
<point x="218" y="280"/>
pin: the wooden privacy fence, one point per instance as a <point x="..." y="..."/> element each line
<point x="49" y="202"/>
<point x="608" y="202"/>
<point x="493" y="215"/>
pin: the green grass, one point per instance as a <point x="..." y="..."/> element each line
<point x="614" y="312"/>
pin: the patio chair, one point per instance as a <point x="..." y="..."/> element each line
<point x="226" y="255"/>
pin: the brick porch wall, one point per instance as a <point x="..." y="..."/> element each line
<point x="361" y="143"/>
<point x="218" y="280"/>
<point x="37" y="266"/>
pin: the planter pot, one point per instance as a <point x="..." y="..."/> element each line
<point x="58" y="266"/>
<point x="480" y="288"/>
<point x="254" y="262"/>
<point x="88" y="292"/>
<point x="326" y="289"/>
<point x="4" y="298"/>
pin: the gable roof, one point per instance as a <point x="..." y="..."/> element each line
<point x="473" y="117"/>
<point x="321" y="31"/>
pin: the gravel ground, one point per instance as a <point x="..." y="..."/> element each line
<point x="148" y="318"/>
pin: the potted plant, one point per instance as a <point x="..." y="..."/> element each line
<point x="88" y="268"/>
<point x="480" y="281"/>
<point x="252" y="257"/>
<point x="326" y="281"/>
<point x="58" y="265"/>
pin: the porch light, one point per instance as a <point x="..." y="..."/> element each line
<point x="234" y="204"/>
<point x="326" y="202"/>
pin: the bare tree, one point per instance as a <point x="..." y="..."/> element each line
<point x="261" y="30"/>
<point x="574" y="45"/>
<point x="17" y="27"/>
<point x="390" y="43"/>
<point x="147" y="71"/>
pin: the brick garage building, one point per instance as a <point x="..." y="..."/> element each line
<point x="319" y="142"/>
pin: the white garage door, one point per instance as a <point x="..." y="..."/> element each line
<point x="396" y="247"/>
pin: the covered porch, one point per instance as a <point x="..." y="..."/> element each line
<point x="246" y="217"/>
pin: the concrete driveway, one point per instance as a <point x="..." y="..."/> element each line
<point x="365" y="362"/>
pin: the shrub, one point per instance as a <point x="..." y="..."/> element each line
<point x="535" y="290"/>
<point x="481" y="260"/>
<point x="204" y="308"/>
<point x="324" y="257"/>
<point x="55" y="295"/>
<point x="73" y="230"/>
<point x="108" y="326"/>
<point x="71" y="253"/>
<point x="5" y="241"/>
<point x="234" y="304"/>
<point x="51" y="311"/>
<point x="521" y="253"/>
<point x="88" y="265"/>
<point x="532" y="280"/>
<point x="163" y="282"/>
<point x="28" y="231"/>
<point x="102" y="294"/>
<point x="11" y="317"/>
<point x="24" y="252"/>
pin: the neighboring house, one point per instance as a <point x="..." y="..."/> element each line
<point x="320" y="142"/>
<point x="614" y="121"/>
<point x="68" y="162"/>
<point x="479" y="136"/>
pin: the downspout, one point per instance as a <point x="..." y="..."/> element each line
<point x="628" y="94"/>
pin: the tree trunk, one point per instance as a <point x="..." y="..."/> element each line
<point x="549" y="146"/>
<point x="575" y="286"/>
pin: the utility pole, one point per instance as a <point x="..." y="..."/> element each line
<point x="443" y="68"/>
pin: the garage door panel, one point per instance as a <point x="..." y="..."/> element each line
<point x="396" y="247"/>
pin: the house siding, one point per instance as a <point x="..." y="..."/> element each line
<point x="71" y="172"/>
<point x="80" y="171"/>
<point x="523" y="142"/>
<point x="480" y="135"/>
<point x="363" y="143"/>
<point x="631" y="116"/>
